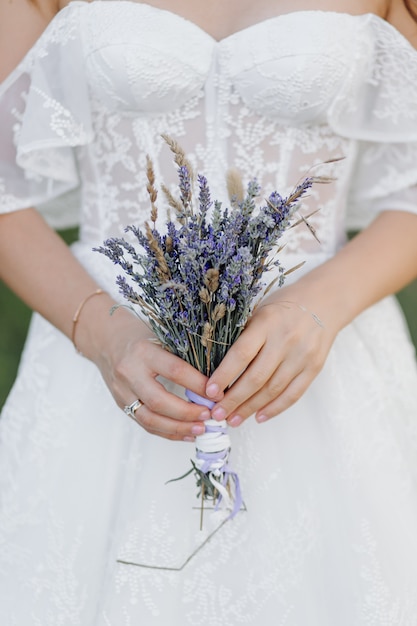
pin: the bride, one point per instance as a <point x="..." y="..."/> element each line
<point x="323" y="416"/>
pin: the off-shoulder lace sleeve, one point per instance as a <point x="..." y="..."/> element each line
<point x="378" y="108"/>
<point x="44" y="115"/>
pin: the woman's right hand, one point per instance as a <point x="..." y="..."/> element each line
<point x="51" y="281"/>
<point x="131" y="362"/>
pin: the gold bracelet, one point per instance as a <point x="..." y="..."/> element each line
<point x="76" y="317"/>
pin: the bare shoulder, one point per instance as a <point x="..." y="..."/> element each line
<point x="399" y="16"/>
<point x="64" y="3"/>
<point x="21" y="24"/>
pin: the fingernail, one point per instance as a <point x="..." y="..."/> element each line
<point x="198" y="429"/>
<point x="212" y="390"/>
<point x="219" y="413"/>
<point x="189" y="439"/>
<point x="205" y="415"/>
<point x="235" y="421"/>
<point x="261" y="418"/>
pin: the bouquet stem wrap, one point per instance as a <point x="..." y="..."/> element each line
<point x="212" y="459"/>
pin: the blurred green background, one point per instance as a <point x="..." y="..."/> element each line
<point x="15" y="318"/>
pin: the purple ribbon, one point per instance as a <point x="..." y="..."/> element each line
<point x="209" y="458"/>
<point x="216" y="429"/>
<point x="238" y="500"/>
<point x="197" y="399"/>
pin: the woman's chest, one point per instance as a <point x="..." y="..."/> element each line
<point x="142" y="59"/>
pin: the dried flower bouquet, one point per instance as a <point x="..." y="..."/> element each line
<point x="198" y="282"/>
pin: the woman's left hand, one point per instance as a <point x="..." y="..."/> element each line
<point x="275" y="359"/>
<point x="285" y="346"/>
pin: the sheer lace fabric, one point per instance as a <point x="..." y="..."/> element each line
<point x="330" y="486"/>
<point x="101" y="95"/>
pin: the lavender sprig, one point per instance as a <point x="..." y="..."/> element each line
<point x="198" y="282"/>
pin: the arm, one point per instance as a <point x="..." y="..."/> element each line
<point x="39" y="267"/>
<point x="398" y="15"/>
<point x="27" y="19"/>
<point x="283" y="348"/>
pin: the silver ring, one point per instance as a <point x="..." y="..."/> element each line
<point x="131" y="408"/>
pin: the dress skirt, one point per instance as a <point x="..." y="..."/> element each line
<point x="91" y="534"/>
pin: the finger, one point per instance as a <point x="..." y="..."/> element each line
<point x="237" y="359"/>
<point x="152" y="393"/>
<point x="309" y="364"/>
<point x="131" y="382"/>
<point x="252" y="381"/>
<point x="271" y="390"/>
<point x="291" y="394"/>
<point x="178" y="371"/>
<point x="166" y="427"/>
<point x="162" y="402"/>
<point x="267" y="377"/>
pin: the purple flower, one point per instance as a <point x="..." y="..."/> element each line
<point x="235" y="242"/>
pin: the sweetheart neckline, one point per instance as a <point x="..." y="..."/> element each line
<point x="236" y="33"/>
<point x="198" y="29"/>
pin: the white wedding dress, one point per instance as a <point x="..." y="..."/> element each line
<point x="329" y="534"/>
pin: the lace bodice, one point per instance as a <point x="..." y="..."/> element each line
<point x="294" y="91"/>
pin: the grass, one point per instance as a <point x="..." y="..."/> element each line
<point x="15" y="317"/>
